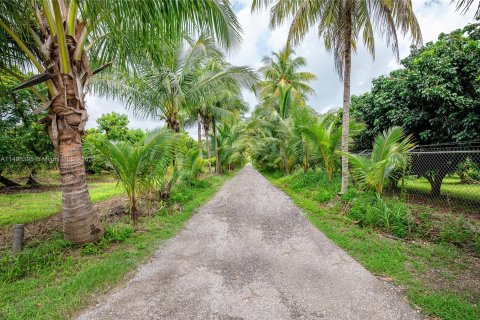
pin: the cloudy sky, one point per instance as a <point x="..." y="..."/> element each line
<point x="435" y="16"/>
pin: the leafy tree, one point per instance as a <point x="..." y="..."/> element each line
<point x="389" y="153"/>
<point x="62" y="38"/>
<point x="435" y="97"/>
<point x="340" y="23"/>
<point x="115" y="127"/>
<point x="23" y="142"/>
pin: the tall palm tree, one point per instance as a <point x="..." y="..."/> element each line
<point x="283" y="66"/>
<point x="188" y="76"/>
<point x="62" y="38"/>
<point x="340" y="23"/>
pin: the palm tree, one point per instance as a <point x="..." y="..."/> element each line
<point x="464" y="6"/>
<point x="283" y="66"/>
<point x="137" y="167"/>
<point x="340" y="23"/>
<point x="326" y="136"/>
<point x="189" y="75"/>
<point x="389" y="153"/>
<point x="61" y="39"/>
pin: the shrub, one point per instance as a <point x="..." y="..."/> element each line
<point x="469" y="172"/>
<point x="369" y="209"/>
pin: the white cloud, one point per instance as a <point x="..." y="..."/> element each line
<point x="434" y="16"/>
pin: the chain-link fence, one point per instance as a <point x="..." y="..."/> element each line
<point x="445" y="176"/>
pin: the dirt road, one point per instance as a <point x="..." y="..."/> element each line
<point x="249" y="253"/>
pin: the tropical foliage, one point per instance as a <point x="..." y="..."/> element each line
<point x="60" y="39"/>
<point x="434" y="97"/>
<point x="340" y="24"/>
<point x="23" y="143"/>
<point x="138" y="167"/>
<point x="386" y="163"/>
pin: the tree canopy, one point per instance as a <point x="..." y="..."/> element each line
<point x="435" y="97"/>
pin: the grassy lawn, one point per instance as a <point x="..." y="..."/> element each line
<point x="451" y="186"/>
<point x="440" y="278"/>
<point x="26" y="207"/>
<point x="55" y="280"/>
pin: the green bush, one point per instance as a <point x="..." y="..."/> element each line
<point x="369" y="209"/>
<point x="469" y="172"/>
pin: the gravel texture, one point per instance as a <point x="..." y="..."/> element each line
<point x="249" y="253"/>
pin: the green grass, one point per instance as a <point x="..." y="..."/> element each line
<point x="26" y="207"/>
<point x="451" y="186"/>
<point x="53" y="280"/>
<point x="407" y="263"/>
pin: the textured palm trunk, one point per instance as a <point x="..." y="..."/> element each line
<point x="305" y="155"/>
<point x="284" y="159"/>
<point x="346" y="97"/>
<point x="65" y="122"/>
<point x="199" y="135"/>
<point x="206" y="127"/>
<point x="80" y="223"/>
<point x="215" y="143"/>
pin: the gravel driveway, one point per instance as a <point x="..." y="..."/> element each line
<point x="249" y="253"/>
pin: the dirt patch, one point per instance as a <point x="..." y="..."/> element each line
<point x="463" y="283"/>
<point x="108" y="210"/>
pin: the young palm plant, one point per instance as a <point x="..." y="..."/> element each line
<point x="62" y="38"/>
<point x="389" y="154"/>
<point x="326" y="136"/>
<point x="340" y="23"/>
<point x="138" y="167"/>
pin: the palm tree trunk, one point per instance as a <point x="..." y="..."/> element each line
<point x="305" y="155"/>
<point x="199" y="134"/>
<point x="215" y="143"/>
<point x="65" y="123"/>
<point x="80" y="223"/>
<point x="207" y="144"/>
<point x="346" y="96"/>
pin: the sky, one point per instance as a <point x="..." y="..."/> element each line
<point x="434" y="16"/>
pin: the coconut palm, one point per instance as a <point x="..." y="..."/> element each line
<point x="62" y="38"/>
<point x="283" y="66"/>
<point x="188" y="76"/>
<point x="340" y="23"/>
<point x="325" y="135"/>
<point x="137" y="167"/>
<point x="389" y="154"/>
<point x="464" y="6"/>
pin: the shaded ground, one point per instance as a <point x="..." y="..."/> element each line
<point x="250" y="254"/>
<point x="43" y="228"/>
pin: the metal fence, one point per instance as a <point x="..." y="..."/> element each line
<point x="446" y="176"/>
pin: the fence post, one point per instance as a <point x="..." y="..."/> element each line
<point x="18" y="232"/>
